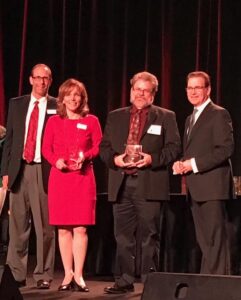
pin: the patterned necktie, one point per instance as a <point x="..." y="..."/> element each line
<point x="134" y="129"/>
<point x="30" y="145"/>
<point x="192" y="122"/>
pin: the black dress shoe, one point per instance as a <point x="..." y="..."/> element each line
<point x="66" y="287"/>
<point x="116" y="289"/>
<point x="21" y="283"/>
<point x="79" y="288"/>
<point x="43" y="284"/>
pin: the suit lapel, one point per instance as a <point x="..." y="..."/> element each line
<point x="120" y="129"/>
<point x="23" y="110"/>
<point x="185" y="131"/>
<point x="201" y="119"/>
<point x="151" y="117"/>
<point x="51" y="105"/>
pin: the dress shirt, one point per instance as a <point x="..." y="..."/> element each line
<point x="198" y="113"/>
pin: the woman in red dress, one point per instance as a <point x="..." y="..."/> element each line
<point x="71" y="141"/>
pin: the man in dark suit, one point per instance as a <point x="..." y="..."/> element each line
<point x="208" y="145"/>
<point x="27" y="180"/>
<point x="138" y="187"/>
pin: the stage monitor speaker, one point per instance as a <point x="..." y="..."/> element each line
<point x="173" y="286"/>
<point x="8" y="286"/>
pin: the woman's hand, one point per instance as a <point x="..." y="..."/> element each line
<point x="60" y="164"/>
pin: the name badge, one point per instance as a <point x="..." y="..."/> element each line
<point x="51" y="111"/>
<point x="81" y="126"/>
<point x="154" y="129"/>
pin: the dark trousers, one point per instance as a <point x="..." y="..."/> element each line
<point x="210" y="225"/>
<point x="134" y="214"/>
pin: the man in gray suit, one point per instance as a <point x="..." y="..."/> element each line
<point x="207" y="147"/>
<point x="137" y="188"/>
<point x="27" y="181"/>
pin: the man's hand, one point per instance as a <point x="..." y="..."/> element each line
<point x="5" y="182"/>
<point x="119" y="161"/>
<point x="182" y="167"/>
<point x="145" y="161"/>
<point x="177" y="168"/>
<point x="187" y="166"/>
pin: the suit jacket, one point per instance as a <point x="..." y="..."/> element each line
<point x="211" y="144"/>
<point x="153" y="181"/>
<point x="14" y="141"/>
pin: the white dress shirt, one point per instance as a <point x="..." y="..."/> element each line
<point x="197" y="115"/>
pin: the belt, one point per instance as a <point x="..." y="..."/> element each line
<point x="31" y="163"/>
<point x="132" y="175"/>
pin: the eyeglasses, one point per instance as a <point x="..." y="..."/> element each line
<point x="141" y="91"/>
<point x="190" y="89"/>
<point x="40" y="78"/>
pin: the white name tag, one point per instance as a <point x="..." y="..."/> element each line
<point x="154" y="129"/>
<point x="81" y="126"/>
<point x="51" y="111"/>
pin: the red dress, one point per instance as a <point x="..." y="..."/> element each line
<point x="72" y="194"/>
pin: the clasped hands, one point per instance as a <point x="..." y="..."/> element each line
<point x="182" y="167"/>
<point x="145" y="161"/>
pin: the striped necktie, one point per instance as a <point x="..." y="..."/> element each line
<point x="192" y="122"/>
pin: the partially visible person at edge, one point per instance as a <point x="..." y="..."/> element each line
<point x="26" y="182"/>
<point x="137" y="189"/>
<point x="71" y="142"/>
<point x="2" y="138"/>
<point x="207" y="148"/>
<point x="4" y="204"/>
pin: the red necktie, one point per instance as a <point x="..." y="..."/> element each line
<point x="134" y="129"/>
<point x="30" y="145"/>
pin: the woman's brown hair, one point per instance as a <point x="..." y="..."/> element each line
<point x="65" y="89"/>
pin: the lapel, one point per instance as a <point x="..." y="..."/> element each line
<point x="25" y="104"/>
<point x="125" y="123"/>
<point x="201" y="119"/>
<point x="22" y="110"/>
<point x="51" y="104"/>
<point x="151" y="117"/>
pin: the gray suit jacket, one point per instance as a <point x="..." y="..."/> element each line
<point x="211" y="144"/>
<point x="14" y="141"/>
<point x="153" y="181"/>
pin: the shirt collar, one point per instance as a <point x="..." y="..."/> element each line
<point x="203" y="105"/>
<point x="41" y="100"/>
<point x="133" y="109"/>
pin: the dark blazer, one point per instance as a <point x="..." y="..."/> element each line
<point x="211" y="144"/>
<point x="14" y="141"/>
<point x="153" y="181"/>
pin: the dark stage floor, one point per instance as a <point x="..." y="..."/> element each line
<point x="96" y="285"/>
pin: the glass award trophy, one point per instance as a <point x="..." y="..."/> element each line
<point x="132" y="153"/>
<point x="75" y="157"/>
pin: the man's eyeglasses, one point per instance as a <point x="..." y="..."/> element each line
<point x="40" y="78"/>
<point x="190" y="89"/>
<point x="142" y="91"/>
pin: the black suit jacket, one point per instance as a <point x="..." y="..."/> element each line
<point x="14" y="141"/>
<point x="153" y="181"/>
<point x="211" y="144"/>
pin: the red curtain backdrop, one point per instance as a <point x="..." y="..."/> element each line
<point x="103" y="43"/>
